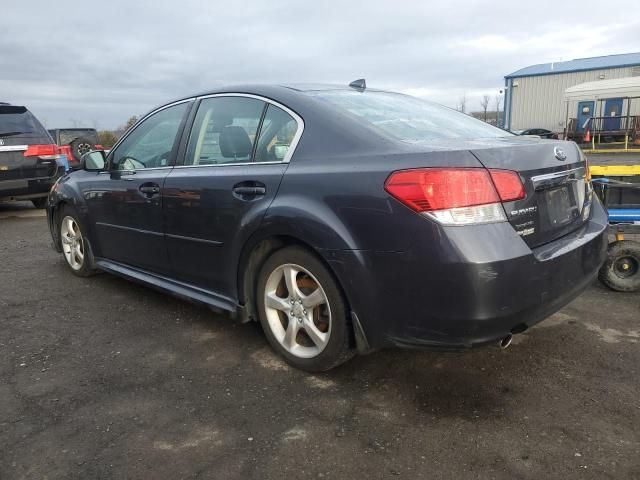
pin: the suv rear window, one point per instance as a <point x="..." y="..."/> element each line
<point x="408" y="118"/>
<point x="16" y="120"/>
<point x="68" y="136"/>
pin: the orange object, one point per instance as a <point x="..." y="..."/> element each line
<point x="587" y="137"/>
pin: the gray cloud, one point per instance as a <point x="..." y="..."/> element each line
<point x="97" y="64"/>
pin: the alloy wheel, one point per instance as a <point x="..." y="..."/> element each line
<point x="297" y="310"/>
<point x="72" y="243"/>
<point x="84" y="148"/>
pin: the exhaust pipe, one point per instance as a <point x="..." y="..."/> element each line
<point x="505" y="342"/>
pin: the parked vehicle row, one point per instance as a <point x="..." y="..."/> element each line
<point x="342" y="219"/>
<point x="28" y="157"/>
<point x="32" y="158"/>
<point x="75" y="142"/>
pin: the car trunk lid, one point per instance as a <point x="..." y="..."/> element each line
<point x="554" y="175"/>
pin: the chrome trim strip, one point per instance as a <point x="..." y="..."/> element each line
<point x="548" y="180"/>
<point x="194" y="239"/>
<point x="13" y="148"/>
<point x="133" y="172"/>
<point x="563" y="173"/>
<point x="243" y="164"/>
<point x="128" y="229"/>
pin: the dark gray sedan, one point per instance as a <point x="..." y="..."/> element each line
<point x="343" y="219"/>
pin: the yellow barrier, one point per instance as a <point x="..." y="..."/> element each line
<point x="614" y="170"/>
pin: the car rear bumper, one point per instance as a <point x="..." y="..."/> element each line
<point x="28" y="188"/>
<point x="458" y="287"/>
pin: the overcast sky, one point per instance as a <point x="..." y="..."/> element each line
<point x="97" y="63"/>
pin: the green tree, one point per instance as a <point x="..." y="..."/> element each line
<point x="131" y="122"/>
<point x="107" y="138"/>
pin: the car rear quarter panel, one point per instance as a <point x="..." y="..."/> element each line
<point x="339" y="203"/>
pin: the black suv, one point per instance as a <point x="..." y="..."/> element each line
<point x="28" y="157"/>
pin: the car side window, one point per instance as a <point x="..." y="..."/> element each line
<point x="276" y="135"/>
<point x="224" y="131"/>
<point x="151" y="143"/>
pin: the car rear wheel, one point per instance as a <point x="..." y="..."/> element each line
<point x="302" y="311"/>
<point x="75" y="249"/>
<point x="621" y="271"/>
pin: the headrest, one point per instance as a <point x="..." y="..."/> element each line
<point x="234" y="142"/>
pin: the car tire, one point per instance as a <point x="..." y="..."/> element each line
<point x="621" y="270"/>
<point x="76" y="250"/>
<point x="39" y="202"/>
<point x="309" y="326"/>
<point x="80" y="146"/>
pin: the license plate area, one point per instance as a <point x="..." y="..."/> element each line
<point x="561" y="206"/>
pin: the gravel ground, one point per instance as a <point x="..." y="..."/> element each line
<point x="102" y="378"/>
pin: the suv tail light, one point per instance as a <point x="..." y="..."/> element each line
<point x="456" y="196"/>
<point x="45" y="152"/>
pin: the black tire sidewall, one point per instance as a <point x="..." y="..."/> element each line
<point x="338" y="349"/>
<point x="607" y="274"/>
<point x="87" y="268"/>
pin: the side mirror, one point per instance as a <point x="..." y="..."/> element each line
<point x="94" y="161"/>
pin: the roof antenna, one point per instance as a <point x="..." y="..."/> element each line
<point x="359" y="84"/>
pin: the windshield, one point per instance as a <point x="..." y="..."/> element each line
<point x="16" y="121"/>
<point x="408" y="118"/>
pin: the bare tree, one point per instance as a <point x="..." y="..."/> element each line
<point x="462" y="103"/>
<point x="484" y="103"/>
<point x="130" y="123"/>
<point x="498" y="100"/>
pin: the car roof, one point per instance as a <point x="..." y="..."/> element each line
<point x="290" y="95"/>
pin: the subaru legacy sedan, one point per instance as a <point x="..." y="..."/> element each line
<point x="343" y="219"/>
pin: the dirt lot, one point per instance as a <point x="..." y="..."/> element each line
<point x="101" y="378"/>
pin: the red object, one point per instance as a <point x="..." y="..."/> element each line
<point x="66" y="151"/>
<point x="43" y="151"/>
<point x="429" y="189"/>
<point x="587" y="136"/>
<point x="508" y="185"/>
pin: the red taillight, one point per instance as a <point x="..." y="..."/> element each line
<point x="430" y="189"/>
<point x="456" y="196"/>
<point x="508" y="185"/>
<point x="42" y="151"/>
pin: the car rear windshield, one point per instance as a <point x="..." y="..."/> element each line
<point x="15" y="120"/>
<point x="68" y="136"/>
<point x="409" y="118"/>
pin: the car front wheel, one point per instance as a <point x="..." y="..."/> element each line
<point x="302" y="311"/>
<point x="75" y="248"/>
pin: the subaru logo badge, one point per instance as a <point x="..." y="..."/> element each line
<point x="559" y="153"/>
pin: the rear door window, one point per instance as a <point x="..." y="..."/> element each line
<point x="277" y="132"/>
<point x="224" y="131"/>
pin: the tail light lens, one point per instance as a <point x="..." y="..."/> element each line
<point x="46" y="152"/>
<point x="456" y="196"/>
<point x="508" y="185"/>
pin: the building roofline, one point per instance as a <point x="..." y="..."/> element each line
<point x="530" y="70"/>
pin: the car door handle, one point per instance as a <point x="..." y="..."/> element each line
<point x="149" y="189"/>
<point x="249" y="191"/>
